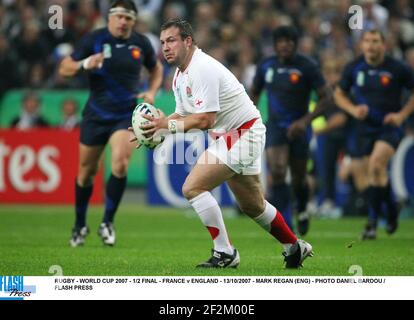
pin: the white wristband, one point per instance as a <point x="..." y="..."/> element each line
<point x="85" y="63"/>
<point x="172" y="126"/>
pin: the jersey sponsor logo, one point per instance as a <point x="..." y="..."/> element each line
<point x="188" y="91"/>
<point x="289" y="70"/>
<point x="120" y="45"/>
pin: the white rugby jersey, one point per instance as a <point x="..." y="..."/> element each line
<point x="208" y="86"/>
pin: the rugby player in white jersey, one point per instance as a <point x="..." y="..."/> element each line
<point x="209" y="97"/>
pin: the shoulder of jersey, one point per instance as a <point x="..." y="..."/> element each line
<point x="392" y="60"/>
<point x="202" y="61"/>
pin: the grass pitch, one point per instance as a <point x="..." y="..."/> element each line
<point x="164" y="241"/>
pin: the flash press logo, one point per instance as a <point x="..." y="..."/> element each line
<point x="12" y="288"/>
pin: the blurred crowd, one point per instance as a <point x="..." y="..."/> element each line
<point x="236" y="32"/>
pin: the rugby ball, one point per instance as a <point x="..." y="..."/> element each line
<point x="138" y="120"/>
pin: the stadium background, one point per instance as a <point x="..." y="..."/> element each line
<point x="237" y="33"/>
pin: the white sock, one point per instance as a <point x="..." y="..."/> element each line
<point x="210" y="214"/>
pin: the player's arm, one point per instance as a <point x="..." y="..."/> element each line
<point x="324" y="94"/>
<point x="397" y="118"/>
<point x="177" y="123"/>
<point x="342" y="101"/>
<point x="298" y="127"/>
<point x="202" y="121"/>
<point x="337" y="120"/>
<point x="155" y="81"/>
<point x="175" y="116"/>
<point x="257" y="86"/>
<point x="255" y="95"/>
<point x="341" y="98"/>
<point x="68" y="67"/>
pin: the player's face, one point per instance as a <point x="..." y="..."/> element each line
<point x="120" y="25"/>
<point x="332" y="75"/>
<point x="372" y="46"/>
<point x="174" y="48"/>
<point x="285" y="48"/>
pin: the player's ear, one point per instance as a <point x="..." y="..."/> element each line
<point x="189" y="42"/>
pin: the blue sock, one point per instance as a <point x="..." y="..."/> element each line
<point x="375" y="203"/>
<point x="114" y="190"/>
<point x="82" y="196"/>
<point x="280" y="198"/>
<point x="302" y="197"/>
<point x="390" y="203"/>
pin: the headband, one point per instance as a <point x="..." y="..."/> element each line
<point x="130" y="13"/>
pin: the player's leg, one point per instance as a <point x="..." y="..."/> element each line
<point x="331" y="149"/>
<point x="362" y="148"/>
<point x="301" y="191"/>
<point x="299" y="154"/>
<point x="249" y="195"/>
<point x="277" y="160"/>
<point x="93" y="138"/>
<point x="359" y="174"/>
<point x="88" y="166"/>
<point x="380" y="191"/>
<point x="391" y="138"/>
<point x="206" y="175"/>
<point x="121" y="151"/>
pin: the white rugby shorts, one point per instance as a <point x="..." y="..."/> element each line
<point x="241" y="149"/>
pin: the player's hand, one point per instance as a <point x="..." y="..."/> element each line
<point x="296" y="129"/>
<point x="133" y="138"/>
<point x="93" y="62"/>
<point x="155" y="123"/>
<point x="393" y="119"/>
<point x="360" y="112"/>
<point x="148" y="97"/>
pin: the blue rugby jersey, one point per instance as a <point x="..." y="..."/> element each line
<point x="379" y="87"/>
<point x="288" y="86"/>
<point x="113" y="88"/>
